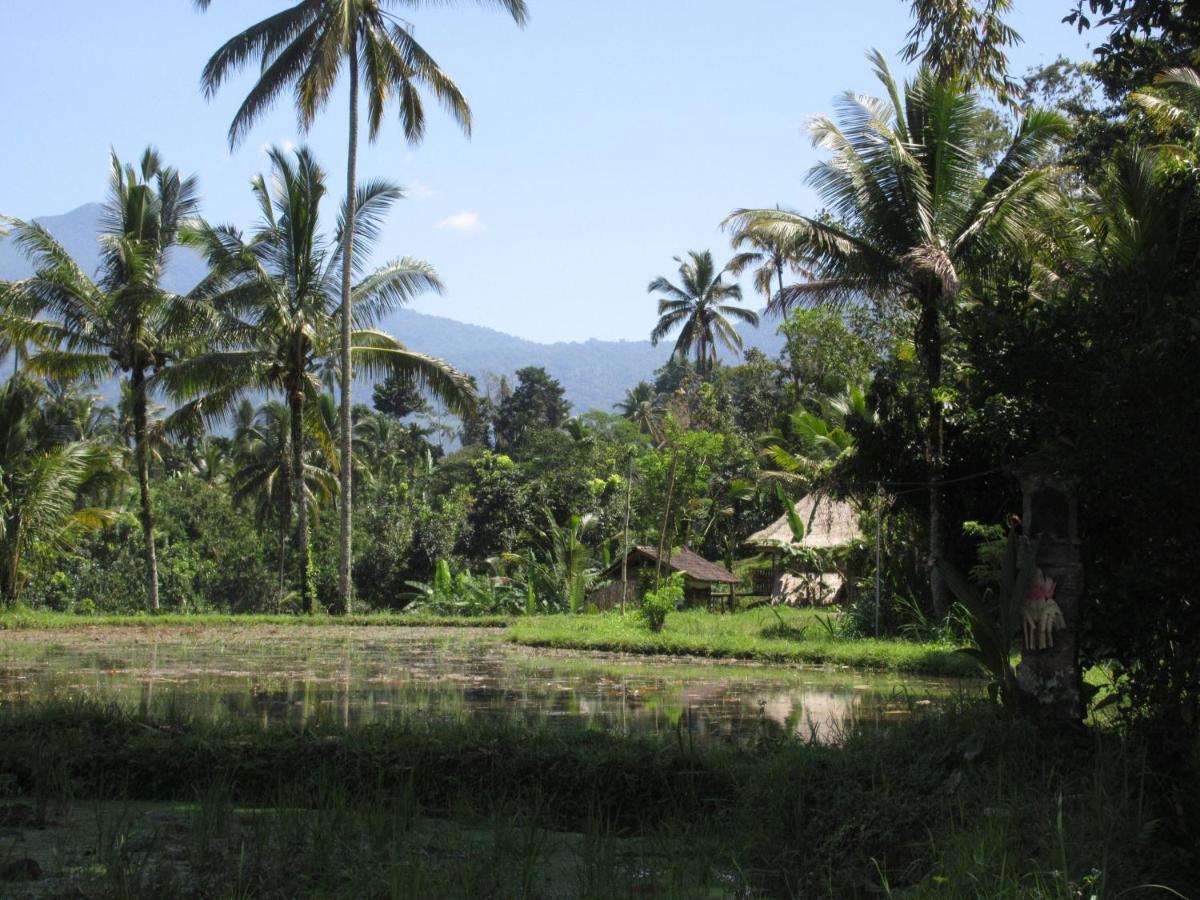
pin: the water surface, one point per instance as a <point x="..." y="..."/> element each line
<point x="352" y="675"/>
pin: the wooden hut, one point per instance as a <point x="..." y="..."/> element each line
<point x="702" y="580"/>
<point x="828" y="525"/>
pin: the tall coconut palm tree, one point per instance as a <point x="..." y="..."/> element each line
<point x="43" y="472"/>
<point x="125" y="322"/>
<point x="916" y="217"/>
<point x="768" y="255"/>
<point x="276" y="297"/>
<point x="701" y="307"/>
<point x="305" y="48"/>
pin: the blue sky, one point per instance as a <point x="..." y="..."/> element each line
<point x="609" y="136"/>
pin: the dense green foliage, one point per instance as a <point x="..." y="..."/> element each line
<point x="659" y="603"/>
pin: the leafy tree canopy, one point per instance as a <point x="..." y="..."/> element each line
<point x="538" y="401"/>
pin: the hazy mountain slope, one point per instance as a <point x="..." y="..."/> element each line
<point x="594" y="373"/>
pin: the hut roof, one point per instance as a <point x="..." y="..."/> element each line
<point x="827" y="523"/>
<point x="693" y="565"/>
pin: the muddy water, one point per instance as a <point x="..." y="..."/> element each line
<point x="315" y="675"/>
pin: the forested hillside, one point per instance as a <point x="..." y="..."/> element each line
<point x="595" y="374"/>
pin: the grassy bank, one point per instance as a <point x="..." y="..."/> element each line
<point x="958" y="804"/>
<point x="45" y="620"/>
<point x="783" y="636"/>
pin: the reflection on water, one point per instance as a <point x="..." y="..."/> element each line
<point x="315" y="675"/>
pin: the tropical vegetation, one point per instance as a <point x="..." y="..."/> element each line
<point x="989" y="313"/>
<point x="305" y="48"/>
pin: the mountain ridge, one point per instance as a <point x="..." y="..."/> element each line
<point x="594" y="373"/>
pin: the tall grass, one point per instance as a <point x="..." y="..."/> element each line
<point x="953" y="804"/>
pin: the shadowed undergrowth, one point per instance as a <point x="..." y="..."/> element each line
<point x="955" y="804"/>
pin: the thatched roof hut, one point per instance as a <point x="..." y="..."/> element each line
<point x="693" y="566"/>
<point x="700" y="575"/>
<point x="827" y="523"/>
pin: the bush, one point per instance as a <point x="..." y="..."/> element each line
<point x="656" y="604"/>
<point x="211" y="556"/>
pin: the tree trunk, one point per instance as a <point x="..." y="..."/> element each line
<point x="625" y="538"/>
<point x="138" y="384"/>
<point x="662" y="532"/>
<point x="285" y="521"/>
<point x="296" y="401"/>
<point x="346" y="507"/>
<point x="929" y="339"/>
<point x="11" y="575"/>
<point x="283" y="529"/>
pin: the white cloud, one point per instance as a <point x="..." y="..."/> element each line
<point x="285" y="145"/>
<point x="419" y="190"/>
<point x="463" y="221"/>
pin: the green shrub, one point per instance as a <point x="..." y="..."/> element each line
<point x="656" y="604"/>
<point x="211" y="556"/>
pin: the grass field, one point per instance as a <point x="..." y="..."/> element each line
<point x="786" y="636"/>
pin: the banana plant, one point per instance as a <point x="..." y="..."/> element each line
<point x="464" y="594"/>
<point x="561" y="567"/>
<point x="994" y="613"/>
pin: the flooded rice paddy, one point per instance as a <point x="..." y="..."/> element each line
<point x="352" y="676"/>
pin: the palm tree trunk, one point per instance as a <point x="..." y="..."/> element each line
<point x="298" y="491"/>
<point x="137" y="382"/>
<point x="13" y="562"/>
<point x="283" y="529"/>
<point x="285" y="520"/>
<point x="662" y="532"/>
<point x="625" y="538"/>
<point x="930" y="340"/>
<point x="345" y="477"/>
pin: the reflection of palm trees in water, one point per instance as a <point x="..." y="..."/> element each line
<point x="813" y="716"/>
<point x="147" y="697"/>
<point x="352" y="679"/>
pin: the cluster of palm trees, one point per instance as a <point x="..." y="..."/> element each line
<point x="278" y="310"/>
<point x="305" y="48"/>
<point x="263" y="321"/>
<point x="914" y="220"/>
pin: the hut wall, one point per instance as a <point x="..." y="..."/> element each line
<point x="609" y="596"/>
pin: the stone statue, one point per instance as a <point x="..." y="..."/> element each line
<point x="1041" y="614"/>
